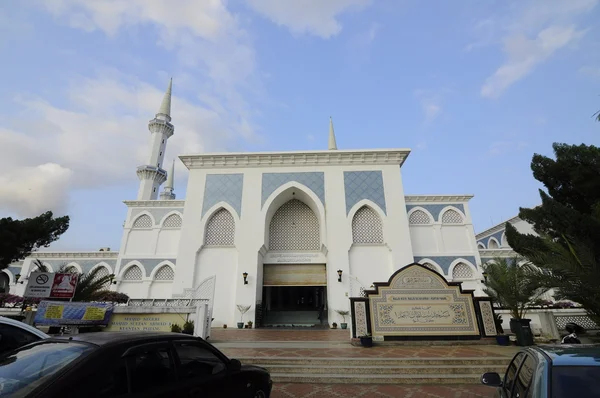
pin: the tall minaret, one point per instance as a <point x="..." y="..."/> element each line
<point x="152" y="175"/>
<point x="167" y="193"/>
<point x="332" y="143"/>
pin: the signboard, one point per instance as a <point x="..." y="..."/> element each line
<point x="419" y="302"/>
<point x="145" y="322"/>
<point x="51" y="285"/>
<point x="294" y="258"/>
<point x="56" y="313"/>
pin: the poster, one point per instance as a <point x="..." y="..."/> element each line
<point x="57" y="313"/>
<point x="51" y="285"/>
<point x="64" y="285"/>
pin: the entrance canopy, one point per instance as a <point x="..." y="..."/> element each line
<point x="295" y="275"/>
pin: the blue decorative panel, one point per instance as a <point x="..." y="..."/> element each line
<point x="158" y="213"/>
<point x="498" y="236"/>
<point x="313" y="180"/>
<point x="435" y="209"/>
<point x="85" y="264"/>
<point x="223" y="188"/>
<point x="148" y="263"/>
<point x="445" y="261"/>
<point x="361" y="185"/>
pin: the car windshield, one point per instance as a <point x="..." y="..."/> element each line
<point x="575" y="381"/>
<point x="27" y="368"/>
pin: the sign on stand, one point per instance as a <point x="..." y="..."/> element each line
<point x="51" y="285"/>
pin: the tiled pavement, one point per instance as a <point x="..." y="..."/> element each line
<point x="378" y="391"/>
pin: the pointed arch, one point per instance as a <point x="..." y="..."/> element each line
<point x="163" y="272"/>
<point x="11" y="276"/>
<point x="173" y="219"/>
<point x="493" y="243"/>
<point x="429" y="263"/>
<point x="133" y="271"/>
<point x="144" y="220"/>
<point x="103" y="265"/>
<point x="367" y="227"/>
<point x="419" y="216"/>
<point x="294" y="226"/>
<point x="462" y="273"/>
<point x="480" y="246"/>
<point x="287" y="192"/>
<point x="75" y="266"/>
<point x="451" y="215"/>
<point x="219" y="229"/>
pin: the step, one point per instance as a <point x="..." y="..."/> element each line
<point x="332" y="378"/>
<point x="329" y="362"/>
<point x="385" y="370"/>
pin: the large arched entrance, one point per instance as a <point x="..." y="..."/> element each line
<point x="294" y="286"/>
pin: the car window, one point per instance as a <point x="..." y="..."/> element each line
<point x="29" y="367"/>
<point x="114" y="379"/>
<point x="511" y="372"/>
<point x="197" y="360"/>
<point x="575" y="381"/>
<point x="13" y="337"/>
<point x="524" y="377"/>
<point x="150" y="369"/>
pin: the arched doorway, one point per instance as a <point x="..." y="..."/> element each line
<point x="294" y="292"/>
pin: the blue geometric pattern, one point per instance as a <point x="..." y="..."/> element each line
<point x="315" y="181"/>
<point x="361" y="185"/>
<point x="445" y="261"/>
<point x="223" y="188"/>
<point x="486" y="240"/>
<point x="436" y="209"/>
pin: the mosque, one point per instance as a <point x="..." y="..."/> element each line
<point x="290" y="234"/>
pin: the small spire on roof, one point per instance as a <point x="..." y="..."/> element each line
<point x="165" y="106"/>
<point x="168" y="190"/>
<point x="332" y="143"/>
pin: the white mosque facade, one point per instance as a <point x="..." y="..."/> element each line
<point x="287" y="233"/>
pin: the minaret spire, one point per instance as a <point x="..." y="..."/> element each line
<point x="168" y="192"/>
<point x="332" y="143"/>
<point x="151" y="174"/>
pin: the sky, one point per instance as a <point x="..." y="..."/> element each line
<point x="473" y="87"/>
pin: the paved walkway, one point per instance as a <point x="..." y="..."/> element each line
<point x="219" y="334"/>
<point x="378" y="391"/>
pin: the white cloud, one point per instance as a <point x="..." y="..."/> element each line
<point x="524" y="54"/>
<point x="431" y="102"/>
<point x="531" y="34"/>
<point x="315" y="17"/>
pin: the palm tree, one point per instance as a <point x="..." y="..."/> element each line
<point x="512" y="286"/>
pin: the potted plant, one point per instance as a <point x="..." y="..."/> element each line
<point x="250" y="323"/>
<point x="344" y="314"/>
<point x="175" y="328"/>
<point x="334" y="325"/>
<point x="224" y="326"/>
<point x="366" y="340"/>
<point x="188" y="327"/>
<point x="242" y="309"/>
<point x="514" y="287"/>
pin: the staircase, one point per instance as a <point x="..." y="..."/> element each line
<point x="379" y="370"/>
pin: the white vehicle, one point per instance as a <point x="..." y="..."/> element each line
<point x="14" y="334"/>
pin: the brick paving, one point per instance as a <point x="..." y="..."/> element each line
<point x="379" y="391"/>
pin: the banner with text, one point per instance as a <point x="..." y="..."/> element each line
<point x="57" y="313"/>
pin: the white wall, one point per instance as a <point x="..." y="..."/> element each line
<point x="168" y="242"/>
<point x="161" y="290"/>
<point x="455" y="238"/>
<point x="141" y="242"/>
<point x="362" y="259"/>
<point x="423" y="238"/>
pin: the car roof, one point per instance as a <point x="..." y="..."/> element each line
<point x="24" y="326"/>
<point x="105" y="338"/>
<point x="572" y="354"/>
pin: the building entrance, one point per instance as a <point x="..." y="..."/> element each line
<point x="295" y="306"/>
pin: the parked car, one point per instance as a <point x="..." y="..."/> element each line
<point x="15" y="334"/>
<point x="128" y="364"/>
<point x="558" y="371"/>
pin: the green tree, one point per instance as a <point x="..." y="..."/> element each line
<point x="512" y="286"/>
<point x="567" y="252"/>
<point x="18" y="238"/>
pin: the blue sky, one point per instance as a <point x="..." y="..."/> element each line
<point x="473" y="87"/>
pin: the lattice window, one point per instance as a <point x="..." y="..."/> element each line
<point x="430" y="266"/>
<point x="462" y="271"/>
<point x="102" y="272"/>
<point x="492" y="244"/>
<point x="220" y="229"/>
<point x="366" y="226"/>
<point x="173" y="221"/>
<point x="165" y="273"/>
<point x="71" y="270"/>
<point x="452" y="217"/>
<point x="419" y="217"/>
<point x="133" y="274"/>
<point x="294" y="226"/>
<point x="581" y="320"/>
<point x="143" y="221"/>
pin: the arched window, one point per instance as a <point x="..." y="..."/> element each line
<point x="220" y="229"/>
<point x="451" y="217"/>
<point x="366" y="226"/>
<point x="165" y="273"/>
<point x="492" y="244"/>
<point x="419" y="217"/>
<point x="462" y="271"/>
<point x="133" y="273"/>
<point x="71" y="270"/>
<point x="143" y="221"/>
<point x="430" y="266"/>
<point x="480" y="246"/>
<point x="294" y="226"/>
<point x="173" y="221"/>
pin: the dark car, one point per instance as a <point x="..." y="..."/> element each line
<point x="559" y="371"/>
<point x="128" y="364"/>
